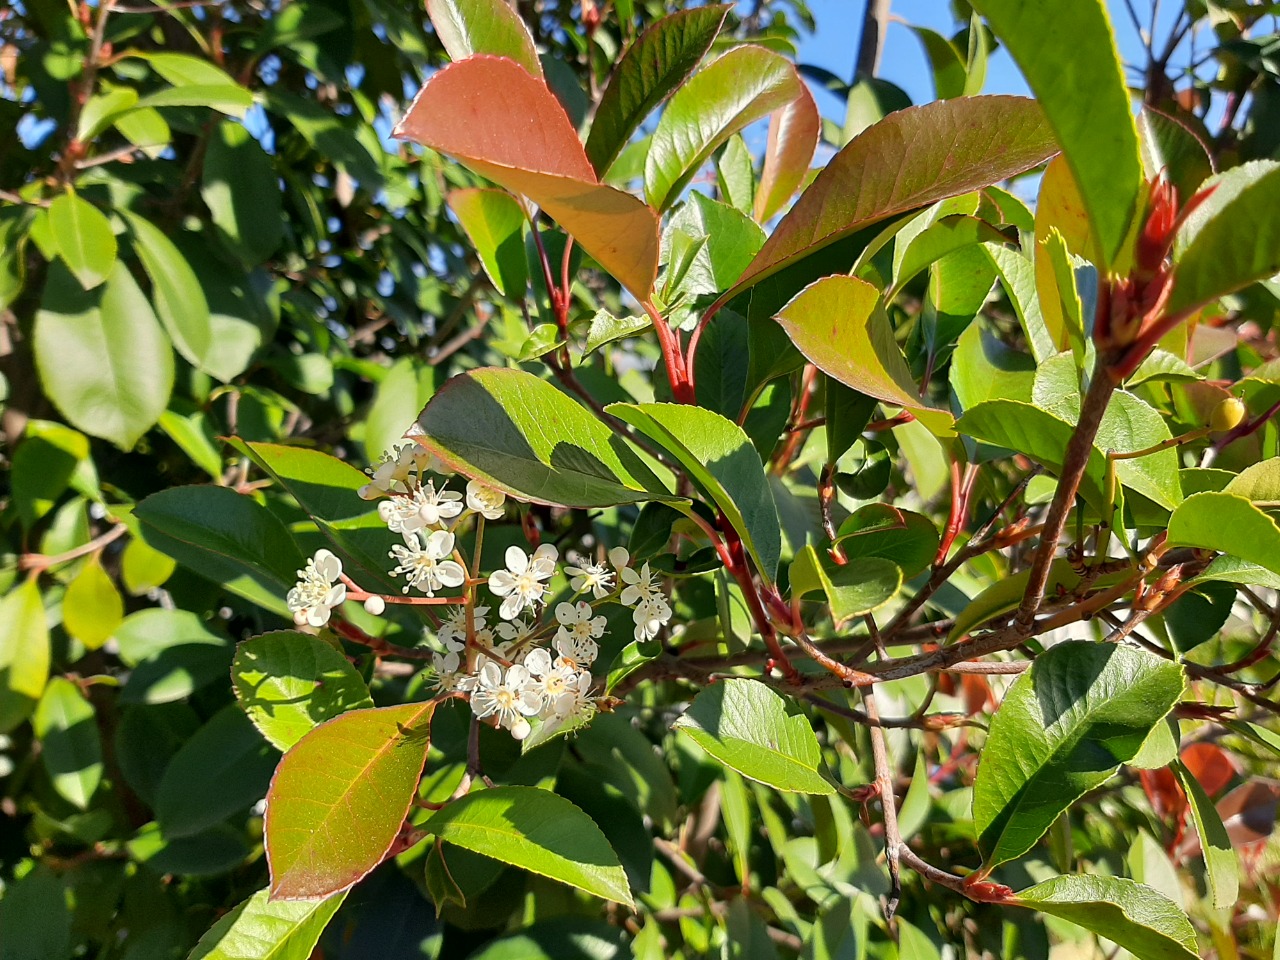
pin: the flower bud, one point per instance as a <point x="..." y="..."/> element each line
<point x="374" y="606"/>
<point x="1227" y="415"/>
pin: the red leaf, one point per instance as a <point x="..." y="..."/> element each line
<point x="1211" y="765"/>
<point x="340" y="796"/>
<point x="491" y="115"/>
<point x="793" y="138"/>
<point x="908" y="160"/>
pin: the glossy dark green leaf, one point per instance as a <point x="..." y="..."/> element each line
<point x="879" y="530"/>
<point x="225" y="537"/>
<point x="851" y="589"/>
<point x="468" y="27"/>
<point x="1069" y="58"/>
<point x="1064" y="727"/>
<point x="1130" y="915"/>
<point x="70" y="746"/>
<point x="745" y="725"/>
<point x="909" y="160"/>
<point x="720" y="458"/>
<point x="340" y="796"/>
<point x="521" y="435"/>
<point x="289" y="683"/>
<point x="223" y="769"/>
<point x="84" y="238"/>
<point x="742" y="86"/>
<point x="103" y="358"/>
<point x="239" y="186"/>
<point x="176" y="292"/>
<point x="660" y="60"/>
<point x="537" y="831"/>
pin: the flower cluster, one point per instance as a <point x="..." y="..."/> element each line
<point x="533" y="664"/>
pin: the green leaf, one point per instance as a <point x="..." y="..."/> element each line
<point x="69" y="743"/>
<point x="143" y="568"/>
<point x="745" y="725"/>
<point x="194" y="436"/>
<point x="630" y="659"/>
<point x="405" y="390"/>
<point x="223" y="769"/>
<point x="103" y="359"/>
<point x="494" y="223"/>
<point x="735" y="174"/>
<point x="840" y="325"/>
<point x="908" y="160"/>
<point x="225" y="537"/>
<point x="101" y="109"/>
<point x="657" y="63"/>
<point x="949" y="74"/>
<point x="1006" y="593"/>
<point x="229" y="98"/>
<point x="1222" y="868"/>
<point x="240" y="188"/>
<point x="742" y="86"/>
<point x="1130" y="915"/>
<point x="1017" y="276"/>
<point x="83" y="237"/>
<point x="1170" y="145"/>
<point x="1229" y="524"/>
<point x="851" y="589"/>
<point x="183" y="69"/>
<point x="176" y="672"/>
<point x="946" y="235"/>
<point x="1064" y="728"/>
<point x="92" y="608"/>
<point x="468" y="27"/>
<point x="606" y="328"/>
<point x="719" y="457"/>
<point x="983" y="368"/>
<point x="521" y="435"/>
<point x="176" y="291"/>
<point x="1230" y="241"/>
<point x="340" y="796"/>
<point x="879" y="530"/>
<point x="289" y="683"/>
<point x="537" y="831"/>
<point x="1069" y="58"/>
<point x="263" y="929"/>
<point x="1128" y="425"/>
<point x="543" y="339"/>
<point x="328" y="489"/>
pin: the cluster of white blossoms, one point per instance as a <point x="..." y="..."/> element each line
<point x="533" y="663"/>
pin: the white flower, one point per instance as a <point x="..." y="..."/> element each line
<point x="424" y="565"/>
<point x="435" y="507"/>
<point x="576" y="638"/>
<point x="554" y="683"/>
<point x="317" y="591"/>
<point x="448" y="675"/>
<point x="400" y="513"/>
<point x="650" y="615"/>
<point x="523" y="583"/>
<point x="486" y="501"/>
<point x="595" y="577"/>
<point x="640" y="585"/>
<point x="393" y="470"/>
<point x="516" y="633"/>
<point x="453" y="628"/>
<point x="503" y="694"/>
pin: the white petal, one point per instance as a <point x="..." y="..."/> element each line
<point x="501" y="582"/>
<point x="547" y="551"/>
<point x="619" y="557"/>
<point x="327" y="565"/>
<point x="566" y="613"/>
<point x="538" y="662"/>
<point x="450" y="573"/>
<point x="511" y="606"/>
<point x="517" y="560"/>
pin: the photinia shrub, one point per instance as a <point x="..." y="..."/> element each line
<point x="811" y="563"/>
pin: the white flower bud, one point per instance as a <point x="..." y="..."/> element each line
<point x="375" y="606"/>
